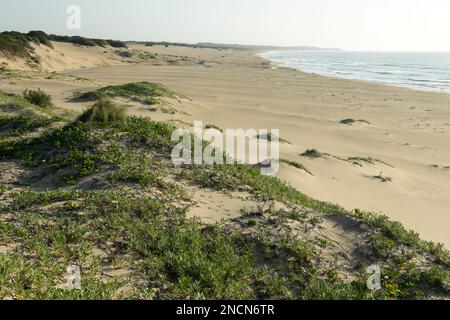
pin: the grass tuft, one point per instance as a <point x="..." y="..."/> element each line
<point x="296" y="165"/>
<point x="104" y="111"/>
<point x="212" y="126"/>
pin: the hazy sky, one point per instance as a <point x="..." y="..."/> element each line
<point x="390" y="25"/>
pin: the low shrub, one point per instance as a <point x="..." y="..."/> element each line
<point x="38" y="98"/>
<point x="312" y="153"/>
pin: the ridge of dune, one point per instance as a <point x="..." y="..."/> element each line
<point x="64" y="56"/>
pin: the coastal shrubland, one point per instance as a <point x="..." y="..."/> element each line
<point x="101" y="192"/>
<point x="19" y="125"/>
<point x="18" y="44"/>
<point x="15" y="43"/>
<point x="82" y="41"/>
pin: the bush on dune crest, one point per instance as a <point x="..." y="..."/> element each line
<point x="82" y="41"/>
<point x="18" y="44"/>
<point x="312" y="153"/>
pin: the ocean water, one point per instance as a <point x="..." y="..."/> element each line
<point x="423" y="71"/>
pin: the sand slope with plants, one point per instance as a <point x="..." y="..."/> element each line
<point x="86" y="179"/>
<point x="100" y="191"/>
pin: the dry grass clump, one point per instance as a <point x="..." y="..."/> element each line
<point x="104" y="111"/>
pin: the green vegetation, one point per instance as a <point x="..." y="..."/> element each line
<point x="438" y="276"/>
<point x="19" y="125"/>
<point x="117" y="207"/>
<point x="383" y="178"/>
<point x="19" y="44"/>
<point x="382" y="245"/>
<point x="436" y="166"/>
<point x="116" y="44"/>
<point x="40" y="37"/>
<point x="18" y="104"/>
<point x="312" y="153"/>
<point x="38" y="98"/>
<point x="269" y="188"/>
<point x="6" y="73"/>
<point x="124" y="54"/>
<point x="270" y="137"/>
<point x="82" y="41"/>
<point x="104" y="111"/>
<point x="145" y="92"/>
<point x="353" y="121"/>
<point x="147" y="55"/>
<point x="296" y="165"/>
<point x="369" y="160"/>
<point x="212" y="126"/>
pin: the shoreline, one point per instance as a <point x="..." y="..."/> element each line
<point x="281" y="64"/>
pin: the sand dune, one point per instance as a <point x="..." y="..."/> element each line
<point x="406" y="131"/>
<point x="66" y="56"/>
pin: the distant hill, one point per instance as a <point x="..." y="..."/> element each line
<point x="225" y="46"/>
<point x="262" y="47"/>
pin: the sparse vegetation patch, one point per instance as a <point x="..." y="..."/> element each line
<point x="270" y="137"/>
<point x="370" y="160"/>
<point x="383" y="178"/>
<point x="19" y="125"/>
<point x="212" y="126"/>
<point x="297" y="165"/>
<point x="353" y="121"/>
<point x="312" y="153"/>
<point x="145" y="92"/>
<point x="120" y="212"/>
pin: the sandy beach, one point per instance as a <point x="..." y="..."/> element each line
<point x="404" y="134"/>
